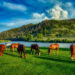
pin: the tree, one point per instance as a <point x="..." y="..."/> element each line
<point x="30" y="37"/>
<point x="39" y="36"/>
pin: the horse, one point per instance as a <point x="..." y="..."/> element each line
<point x="36" y="48"/>
<point x="14" y="45"/>
<point x="21" y="49"/>
<point x="72" y="49"/>
<point x="52" y="47"/>
<point x="2" y="49"/>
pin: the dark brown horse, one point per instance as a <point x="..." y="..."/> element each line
<point x="14" y="45"/>
<point x="52" y="47"/>
<point x="2" y="49"/>
<point x="36" y="48"/>
<point x="72" y="49"/>
<point x="21" y="49"/>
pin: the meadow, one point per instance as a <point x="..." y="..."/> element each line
<point x="61" y="64"/>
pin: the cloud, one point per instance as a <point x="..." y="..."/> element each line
<point x="41" y="16"/>
<point x="70" y="8"/>
<point x="51" y="1"/>
<point x="37" y="15"/>
<point x="58" y="13"/>
<point x="72" y="12"/>
<point x="19" y="22"/>
<point x="13" y="6"/>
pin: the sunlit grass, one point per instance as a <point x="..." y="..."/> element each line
<point x="61" y="64"/>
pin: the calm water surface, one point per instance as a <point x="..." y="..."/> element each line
<point x="41" y="44"/>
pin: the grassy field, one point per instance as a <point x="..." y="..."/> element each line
<point x="61" y="64"/>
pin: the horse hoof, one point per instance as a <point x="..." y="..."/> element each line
<point x="72" y="58"/>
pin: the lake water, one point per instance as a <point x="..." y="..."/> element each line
<point x="41" y="44"/>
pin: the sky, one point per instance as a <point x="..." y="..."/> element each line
<point x="15" y="13"/>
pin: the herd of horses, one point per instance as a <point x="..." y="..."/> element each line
<point x="21" y="49"/>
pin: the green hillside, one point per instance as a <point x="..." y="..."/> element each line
<point x="44" y="31"/>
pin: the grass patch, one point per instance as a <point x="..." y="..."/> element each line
<point x="61" y="64"/>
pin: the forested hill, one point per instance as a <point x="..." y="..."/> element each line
<point x="47" y="29"/>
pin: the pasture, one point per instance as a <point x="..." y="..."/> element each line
<point x="61" y="64"/>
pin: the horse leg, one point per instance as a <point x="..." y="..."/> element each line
<point x="49" y="51"/>
<point x="57" y="50"/>
<point x="20" y="54"/>
<point x="38" y="52"/>
<point x="24" y="55"/>
<point x="31" y="51"/>
<point x="72" y="55"/>
<point x="12" y="49"/>
<point x="2" y="53"/>
<point x="53" y="51"/>
<point x="6" y="49"/>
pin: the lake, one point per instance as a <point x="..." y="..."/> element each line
<point x="41" y="44"/>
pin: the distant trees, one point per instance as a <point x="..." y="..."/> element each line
<point x="39" y="36"/>
<point x="29" y="37"/>
<point x="47" y="28"/>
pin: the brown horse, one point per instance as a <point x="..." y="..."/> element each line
<point x="72" y="49"/>
<point x="36" y="48"/>
<point x="14" y="45"/>
<point x="2" y="49"/>
<point x="52" y="47"/>
<point x="21" y="49"/>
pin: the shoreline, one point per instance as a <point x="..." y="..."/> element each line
<point x="2" y="41"/>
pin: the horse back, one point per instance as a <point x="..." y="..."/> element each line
<point x="54" y="46"/>
<point x="34" y="46"/>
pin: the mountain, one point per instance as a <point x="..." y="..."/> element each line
<point x="47" y="29"/>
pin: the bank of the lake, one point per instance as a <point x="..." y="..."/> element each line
<point x="47" y="39"/>
<point x="2" y="41"/>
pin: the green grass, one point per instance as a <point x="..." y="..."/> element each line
<point x="2" y="41"/>
<point x="61" y="64"/>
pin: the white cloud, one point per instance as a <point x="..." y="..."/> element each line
<point x="20" y="22"/>
<point x="36" y="18"/>
<point x="72" y="10"/>
<point x="58" y="13"/>
<point x="37" y="15"/>
<point x="41" y="16"/>
<point x="13" y="6"/>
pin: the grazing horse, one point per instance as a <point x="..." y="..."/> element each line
<point x="36" y="48"/>
<point x="21" y="49"/>
<point x="72" y="49"/>
<point x="14" y="45"/>
<point x="52" y="47"/>
<point x="2" y="49"/>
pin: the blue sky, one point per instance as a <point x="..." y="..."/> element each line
<point x="15" y="13"/>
